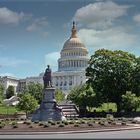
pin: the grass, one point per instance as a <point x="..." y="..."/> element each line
<point x="105" y="107"/>
<point x="7" y="109"/>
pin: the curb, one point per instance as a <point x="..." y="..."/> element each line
<point x="68" y="132"/>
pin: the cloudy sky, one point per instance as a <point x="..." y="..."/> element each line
<point x="32" y="32"/>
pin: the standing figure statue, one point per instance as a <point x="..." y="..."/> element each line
<point x="47" y="78"/>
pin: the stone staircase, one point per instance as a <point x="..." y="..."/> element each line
<point x="69" y="109"/>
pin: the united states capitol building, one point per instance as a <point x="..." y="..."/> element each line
<point x="71" y="67"/>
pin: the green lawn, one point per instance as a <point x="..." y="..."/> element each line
<point x="7" y="109"/>
<point x="105" y="107"/>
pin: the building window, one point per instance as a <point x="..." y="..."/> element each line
<point x="56" y="84"/>
<point x="70" y="83"/>
<point x="61" y="83"/>
<point x="65" y="83"/>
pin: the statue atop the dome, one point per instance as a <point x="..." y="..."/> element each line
<point x="73" y="31"/>
<point x="47" y="78"/>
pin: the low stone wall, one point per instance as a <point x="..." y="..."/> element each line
<point x="115" y="114"/>
<point x="13" y="116"/>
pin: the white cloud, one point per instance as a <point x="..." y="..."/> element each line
<point x="113" y="38"/>
<point x="51" y="59"/>
<point x="12" y="62"/>
<point x="136" y="18"/>
<point x="8" y="16"/>
<point x="100" y="14"/>
<point x="38" y="24"/>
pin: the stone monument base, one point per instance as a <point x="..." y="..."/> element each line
<point x="48" y="109"/>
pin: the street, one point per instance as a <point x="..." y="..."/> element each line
<point x="125" y="134"/>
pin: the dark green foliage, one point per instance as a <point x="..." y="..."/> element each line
<point x="35" y="90"/>
<point x="83" y="96"/>
<point x="76" y="125"/>
<point x="130" y="102"/>
<point x="61" y="125"/>
<point x="90" y="124"/>
<point x="59" y="95"/>
<point x="111" y="74"/>
<point x="10" y="92"/>
<point x="15" y="126"/>
<point x="1" y="93"/>
<point x="27" y="103"/>
<point x="46" y="125"/>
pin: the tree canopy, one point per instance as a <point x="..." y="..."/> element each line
<point x="1" y="93"/>
<point x="83" y="95"/>
<point x="111" y="74"/>
<point x="10" y="92"/>
<point x="59" y="95"/>
<point x="35" y="89"/>
<point x="27" y="103"/>
<point x="130" y="102"/>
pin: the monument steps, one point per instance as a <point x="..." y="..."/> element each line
<point x="69" y="110"/>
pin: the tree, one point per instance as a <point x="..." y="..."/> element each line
<point x="59" y="95"/>
<point x="130" y="102"/>
<point x="10" y="92"/>
<point x="27" y="103"/>
<point x="84" y="96"/>
<point x="136" y="78"/>
<point x="1" y="93"/>
<point x="35" y="90"/>
<point x="110" y="74"/>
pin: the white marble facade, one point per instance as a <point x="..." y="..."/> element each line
<point x="7" y="81"/>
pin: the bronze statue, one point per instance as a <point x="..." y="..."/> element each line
<point x="47" y="78"/>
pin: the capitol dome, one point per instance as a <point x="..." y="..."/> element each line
<point x="74" y="55"/>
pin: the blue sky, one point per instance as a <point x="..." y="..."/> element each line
<point x="32" y="32"/>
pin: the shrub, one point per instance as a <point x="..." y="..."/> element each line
<point x="46" y="125"/>
<point x="71" y="122"/>
<point x="82" y="121"/>
<point x="109" y="116"/>
<point x="123" y="123"/>
<point x="15" y="126"/>
<point x="66" y="123"/>
<point x="58" y="122"/>
<point x="90" y="124"/>
<point x="36" y="122"/>
<point x="30" y="126"/>
<point x="114" y="123"/>
<point x="41" y="124"/>
<point x="53" y="123"/>
<point x="1" y="125"/>
<point x="50" y="121"/>
<point x="28" y="122"/>
<point x="134" y="121"/>
<point x="61" y="125"/>
<point x="14" y="123"/>
<point x="109" y="122"/>
<point x="76" y="125"/>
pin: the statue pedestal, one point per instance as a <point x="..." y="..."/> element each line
<point x="48" y="109"/>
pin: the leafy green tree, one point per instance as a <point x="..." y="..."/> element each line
<point x="1" y="93"/>
<point x="84" y="96"/>
<point x="27" y="103"/>
<point x="35" y="89"/>
<point x="130" y="102"/>
<point x="136" y="78"/>
<point x="10" y="92"/>
<point x="59" y="95"/>
<point x="110" y="74"/>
